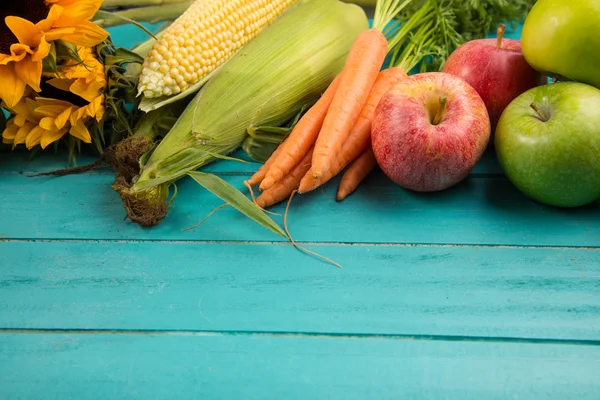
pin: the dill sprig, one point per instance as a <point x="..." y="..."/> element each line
<point x="431" y="29"/>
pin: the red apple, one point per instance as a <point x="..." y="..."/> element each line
<point x="496" y="68"/>
<point x="429" y="130"/>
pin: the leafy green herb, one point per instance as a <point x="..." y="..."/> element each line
<point x="431" y="29"/>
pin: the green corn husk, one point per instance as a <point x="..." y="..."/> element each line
<point x="267" y="83"/>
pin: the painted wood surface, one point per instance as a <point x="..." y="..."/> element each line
<point x="484" y="209"/>
<point x="473" y="293"/>
<point x="494" y="292"/>
<point x="108" y="366"/>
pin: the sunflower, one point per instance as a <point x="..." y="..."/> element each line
<point x="27" y="30"/>
<point x="70" y="99"/>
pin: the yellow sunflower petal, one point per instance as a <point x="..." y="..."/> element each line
<point x="76" y="11"/>
<point x="59" y="33"/>
<point x="62" y="84"/>
<point x="87" y="92"/>
<point x="21" y="112"/>
<point x="11" y="87"/>
<point x="30" y="72"/>
<point x="48" y="109"/>
<point x="46" y="24"/>
<point x="24" y="30"/>
<point x="63" y="118"/>
<point x="96" y="108"/>
<point x="17" y="53"/>
<point x="86" y="34"/>
<point x="34" y="137"/>
<point x="48" y="124"/>
<point x="42" y="51"/>
<point x="10" y="132"/>
<point x="49" y="137"/>
<point x="80" y="131"/>
<point x="22" y="133"/>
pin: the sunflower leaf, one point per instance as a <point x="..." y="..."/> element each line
<point x="236" y="199"/>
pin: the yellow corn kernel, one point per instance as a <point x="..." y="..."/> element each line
<point x="206" y="35"/>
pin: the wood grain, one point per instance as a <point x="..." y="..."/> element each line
<point x="481" y="210"/>
<point x="240" y="367"/>
<point x="521" y="293"/>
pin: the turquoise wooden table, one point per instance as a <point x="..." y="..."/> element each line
<point x="473" y="293"/>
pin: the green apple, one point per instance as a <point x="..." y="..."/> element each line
<point x="562" y="38"/>
<point x="548" y="143"/>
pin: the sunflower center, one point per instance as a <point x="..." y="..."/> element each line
<point x="31" y="10"/>
<point x="52" y="92"/>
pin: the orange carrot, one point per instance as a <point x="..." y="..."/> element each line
<point x="360" y="136"/>
<point x="358" y="75"/>
<point x="302" y="137"/>
<point x="356" y="173"/>
<point x="285" y="186"/>
<point x="262" y="171"/>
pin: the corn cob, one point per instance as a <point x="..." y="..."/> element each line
<point x="267" y="83"/>
<point x="206" y="35"/>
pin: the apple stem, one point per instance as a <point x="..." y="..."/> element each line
<point x="500" y="31"/>
<point x="440" y="112"/>
<point x="539" y="112"/>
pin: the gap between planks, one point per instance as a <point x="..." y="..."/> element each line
<point x="302" y="335"/>
<point x="4" y="239"/>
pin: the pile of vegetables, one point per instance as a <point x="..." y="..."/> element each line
<point x="307" y="123"/>
<point x="294" y="83"/>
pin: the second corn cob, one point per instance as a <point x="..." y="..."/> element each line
<point x="206" y="35"/>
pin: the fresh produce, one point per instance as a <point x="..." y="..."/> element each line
<point x="429" y="131"/>
<point x="204" y="37"/>
<point x="548" y="143"/>
<point x="285" y="186"/>
<point x="433" y="29"/>
<point x="360" y="72"/>
<point x="561" y="38"/>
<point x="359" y="139"/>
<point x="496" y="69"/>
<point x="343" y="114"/>
<point x="302" y="137"/>
<point x="429" y="32"/>
<point x="356" y="173"/>
<point x="289" y="64"/>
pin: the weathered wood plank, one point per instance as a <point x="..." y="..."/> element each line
<point x="62" y="366"/>
<point x="526" y="293"/>
<point x="20" y="162"/>
<point x="477" y="211"/>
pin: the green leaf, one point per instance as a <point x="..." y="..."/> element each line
<point x="123" y="56"/>
<point x="236" y="199"/>
<point x="49" y="62"/>
<point x="100" y="15"/>
<point x="258" y="150"/>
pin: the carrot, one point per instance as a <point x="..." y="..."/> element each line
<point x="262" y="171"/>
<point x="360" y="137"/>
<point x="302" y="137"/>
<point x="356" y="173"/>
<point x="358" y="75"/>
<point x="288" y="184"/>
